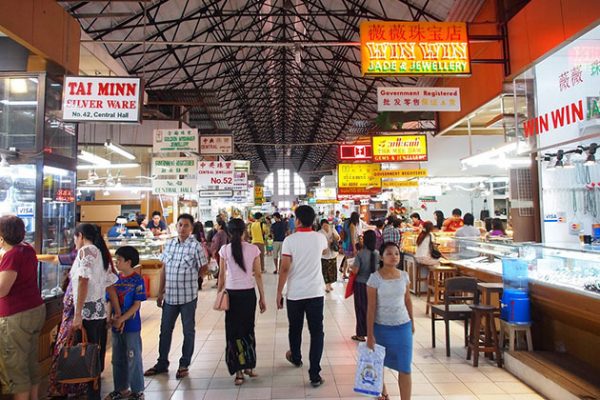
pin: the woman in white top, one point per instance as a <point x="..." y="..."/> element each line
<point x="390" y="320"/>
<point x="329" y="257"/>
<point x="240" y="273"/>
<point x="92" y="276"/>
<point x="423" y="253"/>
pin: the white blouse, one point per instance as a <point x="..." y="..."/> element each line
<point x="89" y="264"/>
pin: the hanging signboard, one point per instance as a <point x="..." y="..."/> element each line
<point x="325" y="194"/>
<point x="399" y="184"/>
<point x="358" y="179"/>
<point x="391" y="48"/>
<point x="240" y="180"/>
<point x="250" y="192"/>
<point x="355" y="152"/>
<point x="102" y="99"/>
<point x="418" y="99"/>
<point x="216" y="193"/>
<point x="175" y="140"/>
<point x="174" y="175"/>
<point x="216" y="145"/>
<point x="401" y="173"/>
<point x="259" y="195"/>
<point x="399" y="148"/>
<point x="215" y="175"/>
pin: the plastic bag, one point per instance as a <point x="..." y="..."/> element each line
<point x="369" y="370"/>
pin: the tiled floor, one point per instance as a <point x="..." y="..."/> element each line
<point x="434" y="375"/>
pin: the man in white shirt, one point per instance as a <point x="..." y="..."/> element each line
<point x="301" y="270"/>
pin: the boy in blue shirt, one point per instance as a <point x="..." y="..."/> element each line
<point x="128" y="370"/>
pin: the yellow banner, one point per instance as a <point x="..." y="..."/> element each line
<point x="401" y="173"/>
<point x="358" y="179"/>
<point x="399" y="184"/>
<point x="399" y="148"/>
<point x="392" y="48"/>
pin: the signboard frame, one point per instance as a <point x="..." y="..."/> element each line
<point x="358" y="190"/>
<point x="169" y="133"/>
<point x="205" y="153"/>
<point x="406" y="99"/>
<point x="399" y="157"/>
<point x="347" y="147"/>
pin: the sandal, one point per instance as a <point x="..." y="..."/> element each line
<point x="182" y="373"/>
<point x="155" y="371"/>
<point x="239" y="379"/>
<point x="250" y="373"/>
<point x="384" y="397"/>
<point x="358" y="338"/>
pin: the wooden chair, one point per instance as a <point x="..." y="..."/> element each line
<point x="459" y="292"/>
<point x="435" y="284"/>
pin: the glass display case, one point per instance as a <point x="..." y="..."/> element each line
<point x="574" y="268"/>
<point x="149" y="248"/>
<point x="17" y="195"/>
<point x="51" y="278"/>
<point x="58" y="218"/>
<point x="19" y="114"/>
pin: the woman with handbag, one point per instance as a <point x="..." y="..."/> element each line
<point x="426" y="253"/>
<point x="92" y="276"/>
<point x="329" y="258"/>
<point x="239" y="274"/>
<point x="22" y="312"/>
<point x="365" y="263"/>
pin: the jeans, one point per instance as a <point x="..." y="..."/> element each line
<point x="127" y="361"/>
<point x="313" y="308"/>
<point x="167" y="324"/>
<point x="95" y="330"/>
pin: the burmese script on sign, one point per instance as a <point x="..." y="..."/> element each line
<point x="102" y="99"/>
<point x="414" y="48"/>
<point x="358" y="179"/>
<point x="399" y="148"/>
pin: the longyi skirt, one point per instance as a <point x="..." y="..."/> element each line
<point x="329" y="268"/>
<point x="398" y="343"/>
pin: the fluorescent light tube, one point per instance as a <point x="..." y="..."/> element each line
<point x="92" y="158"/>
<point x="119" y="150"/>
<point x="81" y="167"/>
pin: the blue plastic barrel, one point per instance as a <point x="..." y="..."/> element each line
<point x="514" y="306"/>
<point x="515" y="274"/>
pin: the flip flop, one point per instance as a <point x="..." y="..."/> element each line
<point x="154" y="371"/>
<point x="182" y="373"/>
<point x="250" y="373"/>
<point x="358" y="338"/>
<point x="239" y="380"/>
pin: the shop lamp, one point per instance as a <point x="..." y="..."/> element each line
<point x="118" y="149"/>
<point x="591" y="157"/>
<point x="559" y="159"/>
<point x="92" y="158"/>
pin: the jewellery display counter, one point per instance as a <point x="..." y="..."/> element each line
<point x="564" y="288"/>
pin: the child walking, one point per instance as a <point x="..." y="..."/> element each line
<point x="128" y="372"/>
<point x="390" y="320"/>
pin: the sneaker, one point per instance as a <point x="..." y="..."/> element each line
<point x="316" y="382"/>
<point x="288" y="356"/>
<point x="115" y="395"/>
<point x="136" y="396"/>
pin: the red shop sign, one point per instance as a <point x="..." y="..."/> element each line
<point x="356" y="152"/>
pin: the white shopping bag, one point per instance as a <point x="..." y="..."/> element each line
<point x="369" y="370"/>
<point x="213" y="266"/>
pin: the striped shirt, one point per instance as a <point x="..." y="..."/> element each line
<point x="182" y="262"/>
<point x="391" y="234"/>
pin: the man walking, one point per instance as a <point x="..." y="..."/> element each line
<point x="301" y="270"/>
<point x="258" y="233"/>
<point x="278" y="230"/>
<point x="182" y="259"/>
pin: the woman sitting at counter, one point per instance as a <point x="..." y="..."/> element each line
<point x="438" y="216"/>
<point x="22" y="312"/>
<point x="497" y="228"/>
<point x="424" y="244"/>
<point x="417" y="222"/>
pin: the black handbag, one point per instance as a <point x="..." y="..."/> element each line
<point x="78" y="363"/>
<point x="335" y="245"/>
<point x="435" y="253"/>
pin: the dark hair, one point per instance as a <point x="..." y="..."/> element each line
<point x="257" y="215"/>
<point x="388" y="244"/>
<point x="92" y="233"/>
<point x="378" y="223"/>
<point x="396" y="222"/>
<point x="223" y="225"/>
<point x="306" y="215"/>
<point x="427" y="228"/>
<point x="198" y="231"/>
<point x="457" y="211"/>
<point x="276" y="215"/>
<point x="129" y="253"/>
<point x="354" y="218"/>
<point x="12" y="229"/>
<point x="140" y="218"/>
<point x="237" y="227"/>
<point x="186" y="216"/>
<point x="439" y="219"/>
<point x="155" y="213"/>
<point x="488" y="224"/>
<point x="415" y="215"/>
<point x="497" y="224"/>
<point x="469" y="219"/>
<point x="369" y="242"/>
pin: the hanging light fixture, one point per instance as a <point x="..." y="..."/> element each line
<point x="591" y="157"/>
<point x="559" y="159"/>
<point x="92" y="158"/>
<point x="118" y="149"/>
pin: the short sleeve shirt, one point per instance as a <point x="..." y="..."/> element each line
<point x="129" y="290"/>
<point x="279" y="230"/>
<point x="89" y="264"/>
<point x="24" y="294"/>
<point x="258" y="231"/>
<point x="182" y="262"/>
<point x="237" y="278"/>
<point x="363" y="262"/>
<point x="391" y="308"/>
<point x="305" y="279"/>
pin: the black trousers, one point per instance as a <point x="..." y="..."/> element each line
<point x="313" y="308"/>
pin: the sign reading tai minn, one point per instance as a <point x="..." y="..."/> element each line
<point x="414" y="48"/>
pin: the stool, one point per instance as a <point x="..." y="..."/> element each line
<point x="486" y="289"/>
<point x="489" y="342"/>
<point x="435" y="284"/>
<point x="513" y="337"/>
<point x="420" y="277"/>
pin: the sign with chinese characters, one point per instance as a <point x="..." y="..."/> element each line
<point x="216" y="145"/>
<point x="358" y="179"/>
<point x="64" y="195"/>
<point x="418" y="99"/>
<point x="174" y="175"/>
<point x="401" y="173"/>
<point x="215" y="175"/>
<point x="240" y="180"/>
<point x="392" y="48"/>
<point x="399" y="184"/>
<point x="175" y="140"/>
<point x="102" y="99"/>
<point x="399" y="148"/>
<point x="356" y="152"/>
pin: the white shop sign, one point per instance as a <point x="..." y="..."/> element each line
<point x="326" y="193"/>
<point x="418" y="99"/>
<point x="173" y="186"/>
<point x="175" y="140"/>
<point x="174" y="175"/>
<point x="215" y="175"/>
<point x="102" y="99"/>
<point x="216" y="193"/>
<point x="216" y="145"/>
<point x="240" y="180"/>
